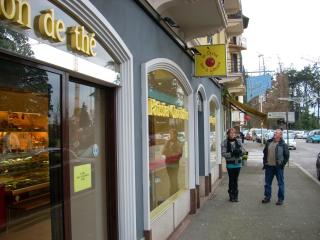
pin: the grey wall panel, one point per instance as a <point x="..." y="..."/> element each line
<point x="209" y="86"/>
<point x="146" y="40"/>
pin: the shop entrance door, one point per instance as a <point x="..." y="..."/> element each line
<point x="30" y="151"/>
<point x="57" y="155"/>
<point x="88" y="161"/>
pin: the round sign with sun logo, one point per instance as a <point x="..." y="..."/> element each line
<point x="211" y="60"/>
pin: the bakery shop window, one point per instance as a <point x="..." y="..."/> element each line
<point x="168" y="136"/>
<point x="213" y="139"/>
<point x="29" y="152"/>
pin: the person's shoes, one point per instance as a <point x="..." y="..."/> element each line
<point x="265" y="200"/>
<point x="235" y="200"/>
<point x="279" y="202"/>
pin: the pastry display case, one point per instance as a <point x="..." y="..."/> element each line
<point x="24" y="161"/>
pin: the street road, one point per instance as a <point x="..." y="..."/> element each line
<point x="306" y="155"/>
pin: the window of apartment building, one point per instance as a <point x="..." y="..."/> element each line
<point x="234" y="63"/>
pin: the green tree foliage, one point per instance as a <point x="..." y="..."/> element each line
<point x="18" y="76"/>
<point x="84" y="120"/>
<point x="304" y="85"/>
<point x="14" y="41"/>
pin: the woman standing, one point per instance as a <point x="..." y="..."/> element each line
<point x="232" y="150"/>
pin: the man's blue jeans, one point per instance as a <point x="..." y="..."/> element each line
<point x="270" y="171"/>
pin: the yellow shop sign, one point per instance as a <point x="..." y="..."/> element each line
<point x="16" y="11"/>
<point x="19" y="12"/>
<point x="212" y="120"/>
<point x="160" y="109"/>
<point x="211" y="61"/>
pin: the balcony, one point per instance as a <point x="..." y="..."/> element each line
<point x="234" y="64"/>
<point x="234" y="81"/>
<point x="237" y="44"/>
<point x="232" y="6"/>
<point x="235" y="26"/>
<point x="237" y="91"/>
<point x="191" y="19"/>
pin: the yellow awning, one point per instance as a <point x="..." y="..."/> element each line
<point x="245" y="108"/>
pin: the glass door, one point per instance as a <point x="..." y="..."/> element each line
<point x="87" y="157"/>
<point x="30" y="152"/>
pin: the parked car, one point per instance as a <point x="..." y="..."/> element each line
<point x="314" y="136"/>
<point x="260" y="134"/>
<point x="284" y="133"/>
<point x="299" y="134"/>
<point x="292" y="142"/>
<point x="245" y="132"/>
<point x="248" y="136"/>
<point x="318" y="166"/>
<point x="305" y="134"/>
<point x="253" y="132"/>
<point x="268" y="135"/>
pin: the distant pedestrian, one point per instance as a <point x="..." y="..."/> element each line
<point x="254" y="136"/>
<point x="232" y="150"/>
<point x="242" y="137"/>
<point x="275" y="156"/>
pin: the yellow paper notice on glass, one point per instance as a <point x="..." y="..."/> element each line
<point x="82" y="177"/>
<point x="211" y="60"/>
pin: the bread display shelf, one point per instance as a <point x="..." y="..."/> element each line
<point x="33" y="201"/>
<point x="29" y="189"/>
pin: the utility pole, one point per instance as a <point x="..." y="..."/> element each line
<point x="280" y="64"/>
<point x="263" y="65"/>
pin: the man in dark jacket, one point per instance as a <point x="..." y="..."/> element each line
<point x="275" y="156"/>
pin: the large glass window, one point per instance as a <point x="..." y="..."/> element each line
<point x="213" y="137"/>
<point x="30" y="156"/>
<point x="168" y="136"/>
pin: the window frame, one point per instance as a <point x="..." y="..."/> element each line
<point x="173" y="68"/>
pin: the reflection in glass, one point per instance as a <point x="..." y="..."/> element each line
<point x="30" y="159"/>
<point x="14" y="41"/>
<point x="168" y="145"/>
<point x="86" y="143"/>
<point x="213" y="142"/>
<point x="30" y="43"/>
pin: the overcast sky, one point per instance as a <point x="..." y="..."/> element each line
<point x="281" y="30"/>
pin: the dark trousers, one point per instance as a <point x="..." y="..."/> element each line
<point x="270" y="172"/>
<point x="233" y="174"/>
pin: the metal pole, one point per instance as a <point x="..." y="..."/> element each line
<point x="261" y="124"/>
<point x="287" y="132"/>
<point x="318" y="102"/>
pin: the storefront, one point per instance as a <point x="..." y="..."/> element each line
<point x="167" y="145"/>
<point x="201" y="130"/>
<point x="208" y="131"/>
<point x="65" y="80"/>
<point x="214" y="126"/>
<point x="94" y="145"/>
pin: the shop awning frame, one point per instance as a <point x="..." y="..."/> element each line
<point x="246" y="109"/>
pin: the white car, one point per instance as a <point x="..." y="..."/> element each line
<point x="299" y="134"/>
<point x="268" y="135"/>
<point x="292" y="142"/>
